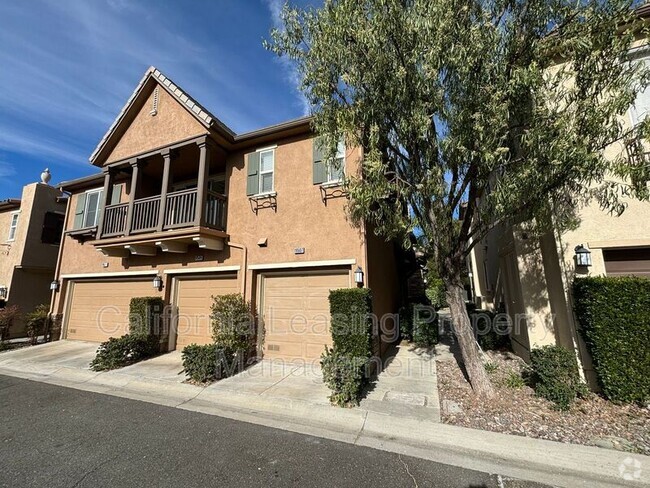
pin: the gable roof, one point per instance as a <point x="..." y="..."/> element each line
<point x="153" y="74"/>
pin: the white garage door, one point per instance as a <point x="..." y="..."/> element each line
<point x="194" y="303"/>
<point x="296" y="314"/>
<point x="98" y="310"/>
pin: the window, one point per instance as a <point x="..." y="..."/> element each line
<point x="336" y="168"/>
<point x="641" y="107"/>
<point x="13" y="225"/>
<point x="52" y="228"/>
<point x="266" y="171"/>
<point x="91" y="212"/>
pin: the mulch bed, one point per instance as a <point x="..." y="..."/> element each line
<point x="516" y="410"/>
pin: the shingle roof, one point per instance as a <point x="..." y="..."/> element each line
<point x="196" y="109"/>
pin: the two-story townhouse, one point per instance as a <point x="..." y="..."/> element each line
<point x="30" y="233"/>
<point x="531" y="278"/>
<point x="186" y="209"/>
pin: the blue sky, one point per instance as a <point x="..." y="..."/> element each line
<point x="68" y="66"/>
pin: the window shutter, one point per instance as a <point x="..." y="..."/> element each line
<point x="79" y="212"/>
<point x="116" y="196"/>
<point x="320" y="167"/>
<point x="253" y="174"/>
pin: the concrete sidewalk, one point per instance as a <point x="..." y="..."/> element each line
<point x="258" y="400"/>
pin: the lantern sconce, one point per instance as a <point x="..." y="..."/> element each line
<point x="158" y="282"/>
<point x="583" y="256"/>
<point x="358" y="276"/>
<point x="54" y="286"/>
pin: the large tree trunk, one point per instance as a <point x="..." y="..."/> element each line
<point x="469" y="349"/>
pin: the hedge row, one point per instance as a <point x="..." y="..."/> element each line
<point x="345" y="365"/>
<point x="614" y="317"/>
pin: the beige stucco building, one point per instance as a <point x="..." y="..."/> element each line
<point x="183" y="198"/>
<point x="531" y="278"/>
<point x="31" y="231"/>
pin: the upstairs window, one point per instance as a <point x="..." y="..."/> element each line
<point x="266" y="171"/>
<point x="13" y="225"/>
<point x="641" y="107"/>
<point x="3" y="292"/>
<point x="336" y="168"/>
<point x="88" y="208"/>
<point x="52" y="228"/>
<point x="260" y="172"/>
<point x="328" y="172"/>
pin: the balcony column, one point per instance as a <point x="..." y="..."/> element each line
<point x="135" y="181"/>
<point x="202" y="183"/>
<point x="165" y="188"/>
<point x="107" y="196"/>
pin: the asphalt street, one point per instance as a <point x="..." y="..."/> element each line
<point x="52" y="437"/>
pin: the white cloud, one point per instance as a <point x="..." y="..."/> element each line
<point x="288" y="66"/>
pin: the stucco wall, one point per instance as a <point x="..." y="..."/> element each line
<point x="172" y="123"/>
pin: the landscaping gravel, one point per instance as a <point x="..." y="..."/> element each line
<point x="516" y="410"/>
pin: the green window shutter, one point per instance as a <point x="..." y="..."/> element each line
<point x="79" y="211"/>
<point x="253" y="174"/>
<point x="320" y="167"/>
<point x="116" y="196"/>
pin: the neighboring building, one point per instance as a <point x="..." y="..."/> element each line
<point x="183" y="198"/>
<point x="531" y="278"/>
<point x="30" y="234"/>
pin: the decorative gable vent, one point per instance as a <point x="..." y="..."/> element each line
<point x="154" y="103"/>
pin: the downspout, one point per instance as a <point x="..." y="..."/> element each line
<point x="57" y="269"/>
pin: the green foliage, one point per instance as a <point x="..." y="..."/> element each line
<point x="345" y="365"/>
<point x="37" y="322"/>
<point x="118" y="352"/>
<point x="233" y="325"/>
<point x="351" y="325"/>
<point x="554" y="375"/>
<point x="615" y="322"/>
<point x="491" y="368"/>
<point x="491" y="330"/>
<point x="210" y="362"/>
<point x="425" y="326"/>
<point x="514" y="381"/>
<point x="146" y="315"/>
<point x="7" y="317"/>
<point x="345" y="376"/>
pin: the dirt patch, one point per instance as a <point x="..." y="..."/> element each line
<point x="516" y="410"/>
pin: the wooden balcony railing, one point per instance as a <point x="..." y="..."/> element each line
<point x="180" y="211"/>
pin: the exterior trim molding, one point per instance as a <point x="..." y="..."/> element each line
<point x="213" y="269"/>
<point x="304" y="264"/>
<point x="116" y="274"/>
<point x="619" y="243"/>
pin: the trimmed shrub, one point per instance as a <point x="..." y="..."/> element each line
<point x="118" y="352"/>
<point x="554" y="376"/>
<point x="233" y="325"/>
<point x="145" y="316"/>
<point x="210" y="362"/>
<point x="37" y="323"/>
<point x="614" y="318"/>
<point x="436" y="293"/>
<point x="7" y="317"/>
<point x="345" y="366"/>
<point x="425" y="326"/>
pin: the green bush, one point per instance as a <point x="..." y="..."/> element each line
<point x="425" y="326"/>
<point x="37" y="323"/>
<point x="554" y="375"/>
<point x="514" y="381"/>
<point x="7" y="317"/>
<point x="614" y="318"/>
<point x="118" y="352"/>
<point x="146" y="315"/>
<point x="492" y="330"/>
<point x="233" y="326"/>
<point x="436" y="293"/>
<point x="345" y="365"/>
<point x="210" y="362"/>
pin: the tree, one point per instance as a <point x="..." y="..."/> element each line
<point x="472" y="114"/>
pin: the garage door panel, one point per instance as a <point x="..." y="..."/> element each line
<point x="194" y="304"/>
<point x="296" y="314"/>
<point x="98" y="310"/>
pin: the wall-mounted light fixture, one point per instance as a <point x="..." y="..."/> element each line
<point x="358" y="276"/>
<point x="54" y="286"/>
<point x="158" y="282"/>
<point x="583" y="256"/>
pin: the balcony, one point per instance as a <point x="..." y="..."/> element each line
<point x="171" y="219"/>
